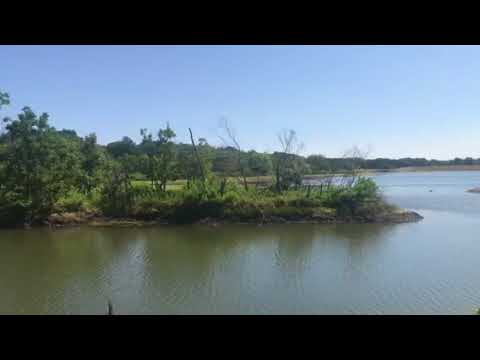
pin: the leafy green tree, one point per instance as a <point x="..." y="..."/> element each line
<point x="117" y="192"/>
<point x="159" y="157"/>
<point x="186" y="164"/>
<point x="206" y="153"/>
<point x="126" y="146"/>
<point x="71" y="134"/>
<point x="148" y="148"/>
<point x="319" y="163"/>
<point x="165" y="162"/>
<point x="258" y="164"/>
<point x="224" y="161"/>
<point x="40" y="166"/>
<point x="92" y="159"/>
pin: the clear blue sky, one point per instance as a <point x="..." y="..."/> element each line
<point x="418" y="101"/>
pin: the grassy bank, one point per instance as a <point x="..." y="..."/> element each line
<point x="206" y="203"/>
<point x="216" y="201"/>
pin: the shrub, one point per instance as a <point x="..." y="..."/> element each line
<point x="150" y="209"/>
<point x="74" y="201"/>
<point x="363" y="197"/>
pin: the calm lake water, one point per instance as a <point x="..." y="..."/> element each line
<point x="430" y="267"/>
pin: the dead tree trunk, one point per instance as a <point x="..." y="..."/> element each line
<point x="199" y="162"/>
<point x="110" y="308"/>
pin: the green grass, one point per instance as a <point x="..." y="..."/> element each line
<point x="205" y="200"/>
<point x="176" y="185"/>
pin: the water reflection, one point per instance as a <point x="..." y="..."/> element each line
<point x="178" y="269"/>
<point x="294" y="248"/>
<point x="243" y="269"/>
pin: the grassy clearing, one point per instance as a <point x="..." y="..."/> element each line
<point x="171" y="185"/>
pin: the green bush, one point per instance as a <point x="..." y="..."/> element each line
<point x="72" y="202"/>
<point x="150" y="209"/>
<point x="362" y="197"/>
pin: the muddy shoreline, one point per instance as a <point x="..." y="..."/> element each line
<point x="95" y="220"/>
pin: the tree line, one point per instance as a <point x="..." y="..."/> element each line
<point x="41" y="167"/>
<point x="319" y="163"/>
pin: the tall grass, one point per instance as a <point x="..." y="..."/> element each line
<point x="230" y="201"/>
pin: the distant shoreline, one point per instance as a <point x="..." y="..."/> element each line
<point x="266" y="179"/>
<point x="429" y="168"/>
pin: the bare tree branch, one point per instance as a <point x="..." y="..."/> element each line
<point x="233" y="140"/>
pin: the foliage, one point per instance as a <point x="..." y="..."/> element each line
<point x="92" y="161"/>
<point x="289" y="170"/>
<point x="356" y="199"/>
<point x="126" y="146"/>
<point x="39" y="165"/>
<point x="44" y="170"/>
<point x="74" y="201"/>
<point x="158" y="161"/>
<point x="117" y="192"/>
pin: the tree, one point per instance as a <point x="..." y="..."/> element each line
<point x="72" y="134"/>
<point x="186" y="164"/>
<point x="233" y="142"/>
<point x="258" y="164"/>
<point x="126" y="146"/>
<point x="91" y="163"/>
<point x="40" y="166"/>
<point x="225" y="161"/>
<point x="166" y="157"/>
<point x="159" y="157"/>
<point x="289" y="168"/>
<point x="148" y="150"/>
<point x="117" y="192"/>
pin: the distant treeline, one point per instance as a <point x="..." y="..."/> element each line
<point x="259" y="164"/>
<point x="224" y="158"/>
<point x="319" y="163"/>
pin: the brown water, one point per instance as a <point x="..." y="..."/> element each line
<point x="419" y="268"/>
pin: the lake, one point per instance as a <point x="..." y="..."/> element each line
<point x="430" y="267"/>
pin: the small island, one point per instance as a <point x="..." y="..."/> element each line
<point x="56" y="178"/>
<point x="474" y="190"/>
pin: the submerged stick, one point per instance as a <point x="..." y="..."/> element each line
<point x="110" y="308"/>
